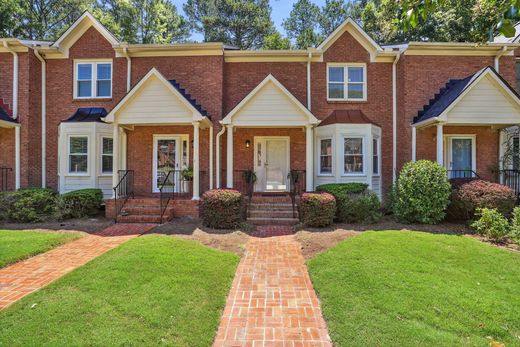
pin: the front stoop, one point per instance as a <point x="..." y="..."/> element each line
<point x="144" y="210"/>
<point x="272" y="210"/>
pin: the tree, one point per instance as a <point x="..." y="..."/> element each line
<point x="332" y="15"/>
<point x="301" y="24"/>
<point x="276" y="41"/>
<point x="200" y="14"/>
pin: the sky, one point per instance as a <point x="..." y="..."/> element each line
<point x="281" y="10"/>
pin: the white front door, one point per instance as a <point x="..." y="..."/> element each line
<point x="166" y="158"/>
<point x="271" y="163"/>
<point x="461" y="154"/>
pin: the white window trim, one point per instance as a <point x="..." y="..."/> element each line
<point x="319" y="173"/>
<point x="101" y="173"/>
<point x="364" y="154"/>
<point x="78" y="174"/>
<point x="448" y="149"/>
<point x="378" y="174"/>
<point x="345" y="83"/>
<point x="94" y="63"/>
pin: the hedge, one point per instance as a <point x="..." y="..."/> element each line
<point x="317" y="209"/>
<point x="82" y="203"/>
<point x="222" y="208"/>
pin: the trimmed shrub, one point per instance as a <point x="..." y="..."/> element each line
<point x="515" y="225"/>
<point x="467" y="196"/>
<point x="354" y="203"/>
<point x="222" y="208"/>
<point x="422" y="193"/>
<point x="317" y="209"/>
<point x="81" y="203"/>
<point x="491" y="224"/>
<point x="6" y="202"/>
<point x="32" y="205"/>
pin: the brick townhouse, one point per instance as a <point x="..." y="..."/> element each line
<point x="89" y="111"/>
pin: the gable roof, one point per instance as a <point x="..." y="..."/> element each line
<point x="291" y="99"/>
<point x="357" y="32"/>
<point x="76" y="30"/>
<point x="455" y="90"/>
<point x="199" y="114"/>
<point x="87" y="114"/>
<point x="347" y="117"/>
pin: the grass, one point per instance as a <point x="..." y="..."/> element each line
<point x="398" y="288"/>
<point x="153" y="290"/>
<point x="19" y="245"/>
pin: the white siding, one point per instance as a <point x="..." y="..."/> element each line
<point x="154" y="103"/>
<point x="485" y="103"/>
<point x="270" y="107"/>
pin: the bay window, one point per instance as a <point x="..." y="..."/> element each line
<point x="78" y="154"/>
<point x="346" y="82"/>
<point x="353" y="155"/>
<point x="93" y="80"/>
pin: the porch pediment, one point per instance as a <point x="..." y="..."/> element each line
<point x="156" y="100"/>
<point x="270" y="104"/>
<point x="484" y="98"/>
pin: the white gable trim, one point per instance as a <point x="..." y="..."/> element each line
<point x="76" y="30"/>
<point x="311" y="119"/>
<point x="357" y="32"/>
<point x="197" y="116"/>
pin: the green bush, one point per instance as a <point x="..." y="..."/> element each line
<point x="422" y="193"/>
<point x="6" y="202"/>
<point x="515" y="225"/>
<point x="32" y="205"/>
<point x="354" y="203"/>
<point x="317" y="209"/>
<point x="222" y="208"/>
<point x="81" y="203"/>
<point x="491" y="224"/>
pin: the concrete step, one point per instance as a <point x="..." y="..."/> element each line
<point x="273" y="221"/>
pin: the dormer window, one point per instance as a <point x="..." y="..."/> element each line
<point x="93" y="79"/>
<point x="346" y="82"/>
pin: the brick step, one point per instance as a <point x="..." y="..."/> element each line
<point x="140" y="219"/>
<point x="146" y="210"/>
<point x="271" y="199"/>
<point x="271" y="207"/>
<point x="272" y="214"/>
<point x="143" y="202"/>
<point x="273" y="221"/>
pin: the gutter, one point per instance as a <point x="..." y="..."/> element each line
<point x="220" y="133"/>
<point x="394" y="116"/>
<point x="15" y="78"/>
<point x="43" y="117"/>
<point x="502" y="52"/>
<point x="128" y="69"/>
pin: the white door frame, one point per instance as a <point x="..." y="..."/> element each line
<point x="448" y="149"/>
<point x="178" y="152"/>
<point x="263" y="139"/>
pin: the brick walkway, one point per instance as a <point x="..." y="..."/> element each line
<point x="25" y="277"/>
<point x="272" y="230"/>
<point x="272" y="301"/>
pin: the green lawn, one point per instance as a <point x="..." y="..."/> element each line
<point x="18" y="245"/>
<point x="151" y="291"/>
<point x="397" y="288"/>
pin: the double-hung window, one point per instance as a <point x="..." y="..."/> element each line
<point x="346" y="82"/>
<point x="353" y="155"/>
<point x="375" y="157"/>
<point x="325" y="160"/>
<point x="78" y="154"/>
<point x="93" y="80"/>
<point x="107" y="154"/>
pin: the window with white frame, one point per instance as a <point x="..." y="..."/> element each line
<point x="346" y="82"/>
<point x="353" y="154"/>
<point x="93" y="80"/>
<point x="375" y="156"/>
<point x="107" y="154"/>
<point x="325" y="160"/>
<point x="78" y="154"/>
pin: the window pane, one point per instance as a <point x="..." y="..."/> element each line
<point x="106" y="164"/>
<point x="84" y="88"/>
<point x="326" y="147"/>
<point x="336" y="74"/>
<point x="84" y="71"/>
<point x="518" y="76"/>
<point x="516" y="153"/>
<point x="355" y="91"/>
<point x="326" y="164"/>
<point x="375" y="157"/>
<point x="353" y="164"/>
<point x="375" y="147"/>
<point x="103" y="88"/>
<point x="108" y="145"/>
<point x="355" y="74"/>
<point x="353" y="146"/>
<point x="336" y="91"/>
<point x="78" y="163"/>
<point x="78" y="145"/>
<point x="103" y="72"/>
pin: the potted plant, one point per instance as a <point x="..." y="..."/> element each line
<point x="186" y="178"/>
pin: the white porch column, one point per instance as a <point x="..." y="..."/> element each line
<point x="115" y="157"/>
<point x="211" y="157"/>
<point x="414" y="144"/>
<point x="229" y="169"/>
<point x="309" y="158"/>
<point x="196" y="164"/>
<point x="17" y="157"/>
<point x="440" y="144"/>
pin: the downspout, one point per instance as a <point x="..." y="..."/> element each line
<point x="220" y="133"/>
<point x="44" y="118"/>
<point x="309" y="96"/>
<point x="498" y="56"/>
<point x="211" y="156"/>
<point x="128" y="69"/>
<point x="394" y="116"/>
<point x="15" y="78"/>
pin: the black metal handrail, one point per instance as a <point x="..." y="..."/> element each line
<point x="123" y="191"/>
<point x="453" y="174"/>
<point x="165" y="197"/>
<point x="4" y="178"/>
<point x="296" y="180"/>
<point x="511" y="178"/>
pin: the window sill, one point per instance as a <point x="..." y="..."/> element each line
<point x="71" y="174"/>
<point x="324" y="175"/>
<point x="354" y="175"/>
<point x="92" y="99"/>
<point x="106" y="175"/>
<point x="347" y="101"/>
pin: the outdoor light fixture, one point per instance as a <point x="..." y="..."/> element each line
<point x="248" y="143"/>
